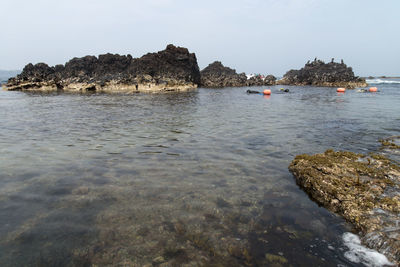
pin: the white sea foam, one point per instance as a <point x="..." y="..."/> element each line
<point x="380" y="81"/>
<point x="357" y="253"/>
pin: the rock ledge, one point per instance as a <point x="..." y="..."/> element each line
<point x="365" y="190"/>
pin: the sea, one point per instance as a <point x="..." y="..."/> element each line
<point x="196" y="178"/>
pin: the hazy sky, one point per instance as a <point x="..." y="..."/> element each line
<point x="263" y="36"/>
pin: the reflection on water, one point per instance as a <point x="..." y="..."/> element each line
<point x="197" y="178"/>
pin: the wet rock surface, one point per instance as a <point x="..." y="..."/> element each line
<point x="216" y="75"/>
<point x="319" y="73"/>
<point x="364" y="189"/>
<point x="392" y="142"/>
<point x="171" y="69"/>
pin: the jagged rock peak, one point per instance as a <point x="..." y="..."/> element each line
<point x="217" y="75"/>
<point x="217" y="68"/>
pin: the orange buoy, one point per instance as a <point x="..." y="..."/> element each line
<point x="267" y="92"/>
<point x="341" y="90"/>
<point x="373" y="89"/>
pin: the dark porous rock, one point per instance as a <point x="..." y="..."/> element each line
<point x="259" y="80"/>
<point x="364" y="189"/>
<point x="171" y="69"/>
<point x="319" y="73"/>
<point x="217" y="75"/>
<point x="270" y="80"/>
<point x="172" y="63"/>
<point x="255" y="81"/>
<point x="36" y="72"/>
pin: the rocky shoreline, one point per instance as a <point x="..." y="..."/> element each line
<point x="319" y="73"/>
<point x="364" y="189"/>
<point x="172" y="69"/>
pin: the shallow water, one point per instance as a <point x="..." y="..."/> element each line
<point x="195" y="178"/>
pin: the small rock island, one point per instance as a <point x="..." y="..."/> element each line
<point x="319" y="73"/>
<point x="173" y="69"/>
<point x="216" y="75"/>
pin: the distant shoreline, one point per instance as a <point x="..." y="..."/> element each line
<point x="381" y="77"/>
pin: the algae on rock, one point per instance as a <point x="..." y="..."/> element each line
<point x="364" y="189"/>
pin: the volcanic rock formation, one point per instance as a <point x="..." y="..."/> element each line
<point x="319" y="73"/>
<point x="216" y="75"/>
<point x="259" y="80"/>
<point x="171" y="69"/>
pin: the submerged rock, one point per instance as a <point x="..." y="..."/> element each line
<point x="277" y="259"/>
<point x="319" y="73"/>
<point x="365" y="190"/>
<point x="392" y="142"/>
<point x="171" y="69"/>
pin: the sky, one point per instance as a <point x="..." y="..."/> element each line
<point x="252" y="36"/>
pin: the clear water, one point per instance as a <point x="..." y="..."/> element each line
<point x="195" y="178"/>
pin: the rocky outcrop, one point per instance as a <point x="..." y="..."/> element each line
<point x="259" y="80"/>
<point x="319" y="73"/>
<point x="171" y="69"/>
<point x="364" y="189"/>
<point x="217" y="75"/>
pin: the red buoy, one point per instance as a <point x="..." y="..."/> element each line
<point x="373" y="89"/>
<point x="341" y="90"/>
<point x="267" y="92"/>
